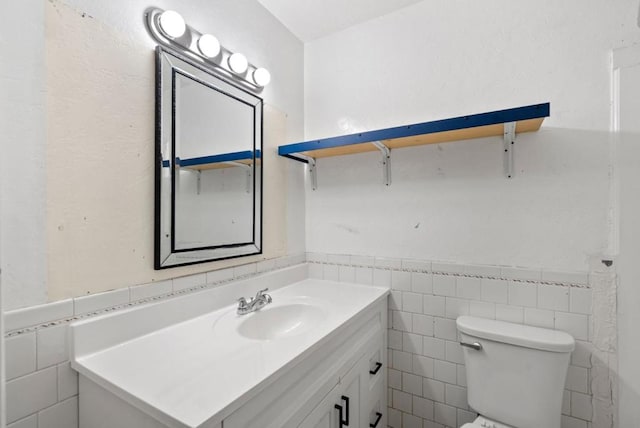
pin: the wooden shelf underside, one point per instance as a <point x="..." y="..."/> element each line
<point x="527" y="119"/>
<point x="530" y="125"/>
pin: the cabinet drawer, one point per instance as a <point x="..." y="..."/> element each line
<point x="376" y="362"/>
<point x="376" y="402"/>
<point x="377" y="406"/>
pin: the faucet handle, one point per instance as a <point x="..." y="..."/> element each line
<point x="242" y="303"/>
<point x="261" y="294"/>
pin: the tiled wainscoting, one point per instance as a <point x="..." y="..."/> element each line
<point x="426" y="373"/>
<point x="427" y="386"/>
<point x="42" y="389"/>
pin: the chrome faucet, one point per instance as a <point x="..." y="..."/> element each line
<point x="255" y="303"/>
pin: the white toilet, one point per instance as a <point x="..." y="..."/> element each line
<point x="515" y="373"/>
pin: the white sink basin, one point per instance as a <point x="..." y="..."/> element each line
<point x="280" y="321"/>
<point x="277" y="320"/>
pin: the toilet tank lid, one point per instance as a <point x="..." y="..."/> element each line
<point x="516" y="334"/>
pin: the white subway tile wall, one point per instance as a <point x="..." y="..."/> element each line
<point x="40" y="314"/>
<point x="52" y="346"/>
<point x="427" y="382"/>
<point x="245" y="270"/>
<point x="187" y="282"/>
<point x="94" y="302"/>
<point x="426" y="374"/>
<point x="28" y="394"/>
<point x="145" y="291"/>
<point x="62" y="414"/>
<point x="20" y="355"/>
<point x="42" y="388"/>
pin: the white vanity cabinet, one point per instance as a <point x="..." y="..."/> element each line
<point x="348" y="371"/>
<point x="206" y="372"/>
<point x="356" y="401"/>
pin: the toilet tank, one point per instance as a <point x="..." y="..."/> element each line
<point x="518" y="376"/>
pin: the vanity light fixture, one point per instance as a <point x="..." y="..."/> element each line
<point x="238" y="63"/>
<point x="261" y="76"/>
<point x="209" y="46"/>
<point x="172" y="24"/>
<point x="168" y="28"/>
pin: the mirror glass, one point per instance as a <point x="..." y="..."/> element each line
<point x="209" y="169"/>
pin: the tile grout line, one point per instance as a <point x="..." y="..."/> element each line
<point x="151" y="299"/>
<point x="246" y="276"/>
<point x="460" y="274"/>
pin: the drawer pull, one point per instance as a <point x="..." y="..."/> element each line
<point x="343" y="422"/>
<point x="339" y="408"/>
<point x="378" y="417"/>
<point x="376" y="370"/>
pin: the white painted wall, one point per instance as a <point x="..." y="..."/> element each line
<point x="241" y="25"/>
<point x="22" y="169"/>
<point x="22" y="165"/>
<point x="2" y="351"/>
<point x="3" y="401"/>
<point x="92" y="229"/>
<point x="440" y="59"/>
<point x="627" y="121"/>
<point x="3" y="387"/>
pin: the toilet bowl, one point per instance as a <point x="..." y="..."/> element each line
<point x="515" y="373"/>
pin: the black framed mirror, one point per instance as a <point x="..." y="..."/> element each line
<point x="208" y="172"/>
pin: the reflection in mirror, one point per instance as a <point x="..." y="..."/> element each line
<point x="208" y="173"/>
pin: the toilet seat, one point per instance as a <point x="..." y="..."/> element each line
<point x="482" y="422"/>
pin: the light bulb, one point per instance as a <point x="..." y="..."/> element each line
<point x="238" y="63"/>
<point x="172" y="24"/>
<point x="209" y="45"/>
<point x="261" y="76"/>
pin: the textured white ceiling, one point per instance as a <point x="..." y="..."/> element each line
<point x="312" y="19"/>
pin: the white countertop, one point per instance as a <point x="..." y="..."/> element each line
<point x="194" y="373"/>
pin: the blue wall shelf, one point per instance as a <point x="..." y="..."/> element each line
<point x="224" y="160"/>
<point x="242" y="159"/>
<point x="506" y="123"/>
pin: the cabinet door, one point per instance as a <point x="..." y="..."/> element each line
<point x="348" y="396"/>
<point x="325" y="415"/>
<point x="351" y="394"/>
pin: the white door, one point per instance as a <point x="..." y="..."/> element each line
<point x="627" y="123"/>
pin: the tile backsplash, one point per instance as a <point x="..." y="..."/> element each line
<point x="427" y="386"/>
<point x="42" y="389"/>
<point x="427" y="382"/>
